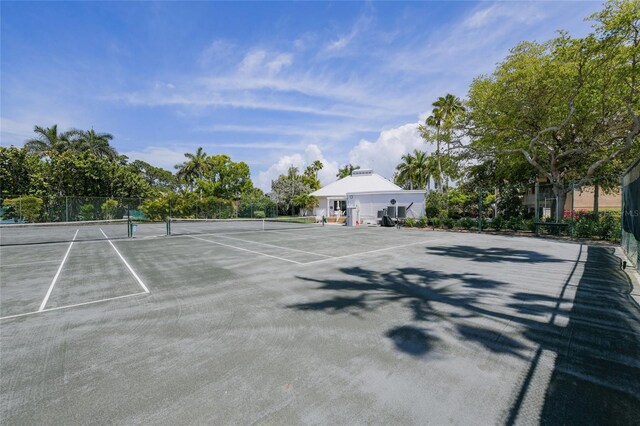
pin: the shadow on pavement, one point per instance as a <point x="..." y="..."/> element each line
<point x="493" y="254"/>
<point x="596" y="376"/>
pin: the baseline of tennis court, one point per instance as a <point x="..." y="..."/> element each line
<point x="323" y="325"/>
<point x="88" y="269"/>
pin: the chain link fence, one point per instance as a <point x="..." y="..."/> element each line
<point x="631" y="214"/>
<point x="34" y="209"/>
<point x="588" y="209"/>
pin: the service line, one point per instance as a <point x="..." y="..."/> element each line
<point x="55" y="278"/>
<point x="275" y="246"/>
<point x="73" y="306"/>
<point x="372" y="251"/>
<point x="247" y="250"/>
<point x="144" y="287"/>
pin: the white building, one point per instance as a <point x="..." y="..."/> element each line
<point x="366" y="195"/>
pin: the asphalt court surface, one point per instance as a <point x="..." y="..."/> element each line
<point x="315" y="326"/>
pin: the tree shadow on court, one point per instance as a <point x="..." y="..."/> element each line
<point x="591" y="329"/>
<point x="596" y="375"/>
<point x="417" y="290"/>
<point x="492" y="254"/>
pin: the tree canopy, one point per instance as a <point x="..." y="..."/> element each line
<point x="568" y="106"/>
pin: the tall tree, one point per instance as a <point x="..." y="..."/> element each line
<point x="310" y="177"/>
<point x="47" y="142"/>
<point x="449" y="108"/>
<point x="568" y="106"/>
<point x="98" y="144"/>
<point x="224" y="178"/>
<point x="195" y="167"/>
<point x="438" y="128"/>
<point x="406" y="171"/>
<point x="431" y="131"/>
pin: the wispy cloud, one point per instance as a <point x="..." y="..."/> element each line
<point x="485" y="16"/>
<point x="338" y="45"/>
<point x="219" y="51"/>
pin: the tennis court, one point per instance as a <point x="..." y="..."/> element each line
<point x="307" y="324"/>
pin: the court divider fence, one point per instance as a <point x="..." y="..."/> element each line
<point x="45" y="209"/>
<point x="630" y="241"/>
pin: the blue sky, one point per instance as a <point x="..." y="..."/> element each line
<point x="273" y="84"/>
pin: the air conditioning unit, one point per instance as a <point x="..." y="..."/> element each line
<point x="402" y="212"/>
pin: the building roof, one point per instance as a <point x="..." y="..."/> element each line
<point x="359" y="181"/>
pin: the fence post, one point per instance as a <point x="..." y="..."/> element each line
<point x="572" y="208"/>
<point x="537" y="195"/>
<point x="66" y="208"/>
<point x="480" y="213"/>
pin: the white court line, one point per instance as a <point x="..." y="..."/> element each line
<point x="275" y="246"/>
<point x="55" y="278"/>
<point x="247" y="250"/>
<point x="73" y="306"/>
<point x="372" y="251"/>
<point x="144" y="287"/>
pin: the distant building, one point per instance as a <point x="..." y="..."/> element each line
<point x="583" y="199"/>
<point x="364" y="195"/>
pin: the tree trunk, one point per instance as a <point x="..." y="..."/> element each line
<point x="561" y="198"/>
<point x="439" y="181"/>
<point x="596" y="199"/>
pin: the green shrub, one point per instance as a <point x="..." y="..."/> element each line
<point x="435" y="203"/>
<point x="259" y="214"/>
<point x="515" y="224"/>
<point x="608" y="226"/>
<point x="87" y="212"/>
<point x="435" y="222"/>
<point x="585" y="227"/>
<point x="530" y="225"/>
<point x="497" y="223"/>
<point x="23" y="208"/>
<point x="422" y="222"/>
<point x="410" y="222"/>
<point x="467" y="223"/>
<point x="448" y="223"/>
<point x="156" y="209"/>
<point x="109" y="209"/>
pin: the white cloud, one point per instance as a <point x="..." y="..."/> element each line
<point x="279" y="62"/>
<point x="341" y="43"/>
<point x="522" y="14"/>
<point x="382" y="156"/>
<point x="218" y="51"/>
<point x="385" y="153"/>
<point x="299" y="160"/>
<point x="252" y="61"/>
<point x="13" y="132"/>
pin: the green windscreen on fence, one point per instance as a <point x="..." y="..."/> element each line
<point x="631" y="213"/>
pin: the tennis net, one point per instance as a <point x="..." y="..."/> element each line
<point x="225" y="226"/>
<point x="58" y="232"/>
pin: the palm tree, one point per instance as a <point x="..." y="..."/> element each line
<point x="435" y="120"/>
<point x="449" y="107"/>
<point x="430" y="171"/>
<point x="406" y="171"/>
<point x="416" y="170"/>
<point x="421" y="166"/>
<point x="97" y="144"/>
<point x="48" y="141"/>
<point x="194" y="168"/>
<point x="346" y="171"/>
<point x="317" y="166"/>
